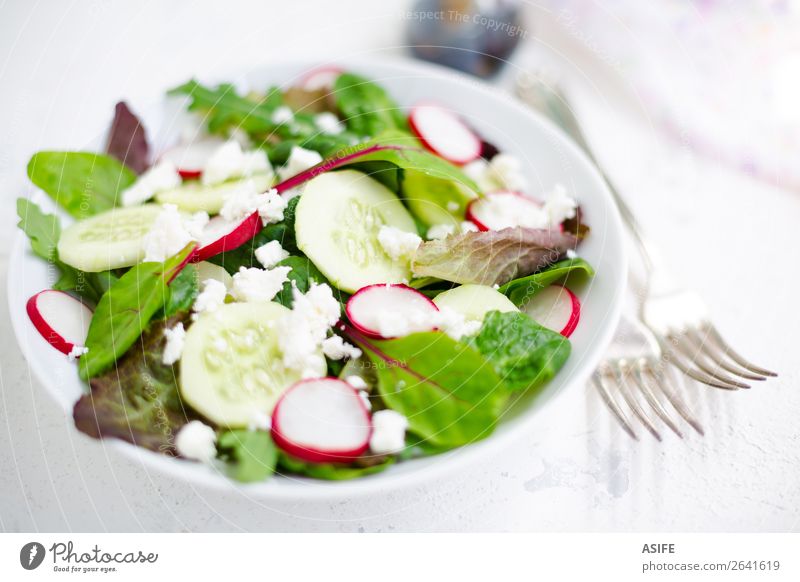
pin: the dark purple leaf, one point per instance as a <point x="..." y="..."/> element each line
<point x="127" y="140"/>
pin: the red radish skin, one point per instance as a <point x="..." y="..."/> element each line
<point x="556" y="308"/>
<point x="443" y="133"/>
<point x="321" y="78"/>
<point x="318" y="452"/>
<point x="82" y="315"/>
<point x="354" y="305"/>
<point x="474" y="208"/>
<point x="190" y="159"/>
<point x="227" y="239"/>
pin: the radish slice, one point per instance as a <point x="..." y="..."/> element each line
<point x="60" y="318"/>
<point x="322" y="420"/>
<point x="386" y="311"/>
<point x="445" y="134"/>
<point x="221" y="235"/>
<point x="190" y="159"/>
<point x="322" y="78"/>
<point x="556" y="308"/>
<point x="505" y="209"/>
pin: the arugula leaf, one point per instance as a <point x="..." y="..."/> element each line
<point x="83" y="183"/>
<point x="524" y="354"/>
<point x="521" y="290"/>
<point x="449" y="392"/>
<point x="494" y="257"/>
<point x="331" y="471"/>
<point x="182" y="291"/>
<point x="366" y="107"/>
<point x="126" y="310"/>
<point x="127" y="140"/>
<point x="250" y="455"/>
<point x="244" y="256"/>
<point x="138" y="401"/>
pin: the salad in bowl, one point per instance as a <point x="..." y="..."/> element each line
<point x="312" y="281"/>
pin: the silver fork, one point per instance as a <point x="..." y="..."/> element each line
<point x="635" y="370"/>
<point x="677" y="317"/>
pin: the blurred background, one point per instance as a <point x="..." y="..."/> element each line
<point x="693" y="109"/>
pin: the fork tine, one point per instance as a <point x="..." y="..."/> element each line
<point x="733" y="355"/>
<point x="675" y="358"/>
<point x="692" y="357"/>
<point x="634" y="405"/>
<point x="711" y="350"/>
<point x="639" y="371"/>
<point x="613" y="406"/>
<point x="676" y="401"/>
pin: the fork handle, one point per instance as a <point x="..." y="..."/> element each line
<point x="544" y="96"/>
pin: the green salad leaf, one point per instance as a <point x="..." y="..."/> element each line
<point x="366" y="107"/>
<point x="250" y="455"/>
<point x="182" y="291"/>
<point x="524" y="354"/>
<point x="332" y="471"/>
<point x="126" y="310"/>
<point x="303" y="274"/>
<point x="450" y="394"/>
<point x="521" y="290"/>
<point x="82" y="183"/>
<point x="138" y="400"/>
<point x="493" y="257"/>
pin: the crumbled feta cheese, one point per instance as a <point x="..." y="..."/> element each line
<point x="571" y="254"/>
<point x="196" y="441"/>
<point x="455" y="324"/>
<point x="174" y="346"/>
<point x="195" y="224"/>
<point x="240" y="136"/>
<point x="299" y="160"/>
<point x="259" y="421"/>
<point x="76" y="352"/>
<point x="161" y="176"/>
<point x="395" y="324"/>
<point x="270" y="254"/>
<point x="247" y="199"/>
<point x="336" y="348"/>
<point x="302" y="331"/>
<point x="441" y="231"/>
<point x="559" y="206"/>
<point x="398" y="244"/>
<point x="254" y="284"/>
<point x="468" y="226"/>
<point x="328" y="123"/>
<point x="282" y="115"/>
<point x="229" y="161"/>
<point x="211" y="298"/>
<point x="167" y="236"/>
<point x="388" y="432"/>
<point x="504" y="172"/>
<point x="356" y="382"/>
<point x="364" y="395"/>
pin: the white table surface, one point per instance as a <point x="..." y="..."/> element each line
<point x="731" y="238"/>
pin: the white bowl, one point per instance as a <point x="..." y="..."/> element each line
<point x="549" y="158"/>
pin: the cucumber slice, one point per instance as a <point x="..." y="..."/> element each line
<point x="435" y="200"/>
<point x="206" y="271"/>
<point x="474" y="301"/>
<point x="337" y="222"/>
<point x="194" y="196"/>
<point x="108" y="240"/>
<point x="231" y="367"/>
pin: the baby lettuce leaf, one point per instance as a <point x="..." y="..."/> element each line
<point x="366" y="107"/>
<point x="303" y="274"/>
<point x="331" y="471"/>
<point x="125" y="311"/>
<point x="182" y="291"/>
<point x="127" y="140"/>
<point x="44" y="230"/>
<point x="82" y="183"/>
<point x="524" y="354"/>
<point x="138" y="401"/>
<point x="494" y="257"/>
<point x="521" y="290"/>
<point x="250" y="455"/>
<point x="450" y="394"/>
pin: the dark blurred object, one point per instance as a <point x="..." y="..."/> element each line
<point x="474" y="36"/>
